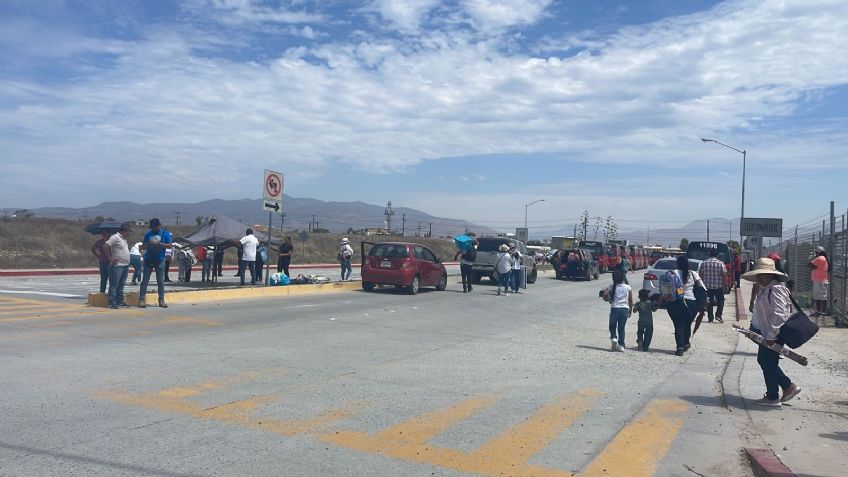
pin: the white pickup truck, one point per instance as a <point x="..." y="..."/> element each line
<point x="487" y="252"/>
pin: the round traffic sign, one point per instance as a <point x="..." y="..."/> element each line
<point x="273" y="186"/>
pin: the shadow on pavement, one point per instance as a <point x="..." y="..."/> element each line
<point x="597" y="348"/>
<point x="737" y="353"/>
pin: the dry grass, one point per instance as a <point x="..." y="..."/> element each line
<point x="57" y="243"/>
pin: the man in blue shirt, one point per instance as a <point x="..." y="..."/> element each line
<point x="155" y="241"/>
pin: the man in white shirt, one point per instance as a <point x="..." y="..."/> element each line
<point x="248" y="258"/>
<point x="118" y="254"/>
<point x="135" y="261"/>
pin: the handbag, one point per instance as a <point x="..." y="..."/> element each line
<point x="798" y="329"/>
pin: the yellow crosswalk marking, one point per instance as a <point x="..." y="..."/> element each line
<point x="641" y="445"/>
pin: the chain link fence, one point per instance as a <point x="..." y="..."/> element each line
<point x="796" y="250"/>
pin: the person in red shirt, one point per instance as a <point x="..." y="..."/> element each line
<point x="737" y="268"/>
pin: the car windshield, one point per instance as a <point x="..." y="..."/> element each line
<point x="388" y="251"/>
<point x="701" y="251"/>
<point x="490" y="245"/>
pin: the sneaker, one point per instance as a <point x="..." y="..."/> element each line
<point x="679" y="352"/>
<point x="162" y="304"/>
<point x="765" y="401"/>
<point x="499" y="293"/>
<point x="133" y="283"/>
<point x="123" y="305"/>
<point x="790" y="392"/>
<point x="614" y="344"/>
<point x="141" y="303"/>
<point x="114" y="307"/>
<point x="638" y="343"/>
<point x="464" y="290"/>
<point x="619" y="348"/>
<point x="718" y="318"/>
<point x="469" y="289"/>
<point x="687" y="346"/>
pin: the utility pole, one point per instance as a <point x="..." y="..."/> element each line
<point x="430" y="233"/>
<point x="419" y="230"/>
<point x="177" y="214"/>
<point x="403" y="226"/>
<point x="649" y="235"/>
<point x="312" y="223"/>
<point x="388" y="212"/>
<point x="708" y="230"/>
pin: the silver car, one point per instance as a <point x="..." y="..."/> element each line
<point x="651" y="281"/>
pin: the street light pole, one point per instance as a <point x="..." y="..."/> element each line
<point x="744" y="159"/>
<point x="525" y="210"/>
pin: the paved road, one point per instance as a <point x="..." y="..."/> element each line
<point x="441" y="383"/>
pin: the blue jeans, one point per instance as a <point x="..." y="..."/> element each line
<point x="249" y="265"/>
<point x="160" y="280"/>
<point x="617" y="320"/>
<point x="346" y="266"/>
<point x="514" y="278"/>
<point x="104" y="276"/>
<point x="503" y="280"/>
<point x="207" y="271"/>
<point x="117" y="280"/>
<point x="135" y="261"/>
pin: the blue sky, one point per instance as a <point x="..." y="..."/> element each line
<point x="466" y="109"/>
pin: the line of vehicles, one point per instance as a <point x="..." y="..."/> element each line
<point x="412" y="266"/>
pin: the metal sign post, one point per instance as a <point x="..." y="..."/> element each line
<point x="272" y="200"/>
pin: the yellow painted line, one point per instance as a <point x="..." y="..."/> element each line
<point x="246" y="293"/>
<point x="30" y="309"/>
<point x="641" y="445"/>
<point x="506" y="454"/>
<point x="57" y="314"/>
<point x="519" y="444"/>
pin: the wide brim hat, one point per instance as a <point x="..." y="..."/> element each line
<point x="764" y="266"/>
<point x="344" y="241"/>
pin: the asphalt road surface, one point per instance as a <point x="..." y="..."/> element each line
<point x="357" y="383"/>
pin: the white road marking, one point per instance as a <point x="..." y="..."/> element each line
<point x="25" y="292"/>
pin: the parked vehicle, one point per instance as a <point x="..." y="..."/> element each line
<point x="636" y="256"/>
<point x="653" y="254"/>
<point x="559" y="242"/>
<point x="614" y="253"/>
<point x="402" y="264"/>
<point x="487" y="252"/>
<point x="651" y="278"/>
<point x="584" y="267"/>
<point x="599" y="252"/>
<point x="701" y="251"/>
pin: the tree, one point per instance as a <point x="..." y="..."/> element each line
<point x="350" y="231"/>
<point x="610" y="229"/>
<point x="733" y="245"/>
<point x="199" y="221"/>
<point x="684" y="243"/>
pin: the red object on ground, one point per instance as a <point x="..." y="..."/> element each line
<point x="741" y="311"/>
<point x="765" y="463"/>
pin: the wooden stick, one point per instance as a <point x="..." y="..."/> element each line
<point x="780" y="349"/>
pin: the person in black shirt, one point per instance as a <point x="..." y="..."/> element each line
<point x="284" y="260"/>
<point x="465" y="265"/>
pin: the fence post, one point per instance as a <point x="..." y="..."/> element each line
<point x="831" y="246"/>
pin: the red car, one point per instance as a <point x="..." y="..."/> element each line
<point x="402" y="264"/>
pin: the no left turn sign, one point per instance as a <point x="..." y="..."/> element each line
<point x="273" y="186"/>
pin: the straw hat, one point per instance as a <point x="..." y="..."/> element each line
<point x="503" y="248"/>
<point x="764" y="266"/>
<point x="344" y="240"/>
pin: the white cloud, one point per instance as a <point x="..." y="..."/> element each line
<point x="489" y="15"/>
<point x="250" y="11"/>
<point x="406" y="15"/>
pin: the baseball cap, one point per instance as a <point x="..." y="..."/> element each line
<point x="154" y="223"/>
<point x="820" y="249"/>
<point x="774" y="256"/>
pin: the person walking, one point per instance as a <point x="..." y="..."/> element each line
<point x="682" y="312"/>
<point x="737" y="268"/>
<point x="773" y="308"/>
<point x="135" y="261"/>
<point x="503" y="267"/>
<point x="645" y="327"/>
<point x="118" y="253"/>
<point x="624" y="267"/>
<point x="713" y="273"/>
<point x="248" y="245"/>
<point x="466" y="265"/>
<point x="620" y="297"/>
<point x="154" y="244"/>
<point x="219" y="261"/>
<point x="820" y="266"/>
<point x="345" y="256"/>
<point x="515" y="273"/>
<point x="102" y="260"/>
<point x="285" y="254"/>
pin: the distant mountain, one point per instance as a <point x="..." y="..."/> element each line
<point x="720" y="230"/>
<point x="334" y="216"/>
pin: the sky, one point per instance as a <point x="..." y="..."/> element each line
<point x="468" y="109"/>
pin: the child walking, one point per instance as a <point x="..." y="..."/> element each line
<point x="645" y="326"/>
<point x="620" y="296"/>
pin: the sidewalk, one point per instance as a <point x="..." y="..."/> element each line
<point x="810" y="433"/>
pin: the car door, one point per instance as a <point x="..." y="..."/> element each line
<point x="423" y="265"/>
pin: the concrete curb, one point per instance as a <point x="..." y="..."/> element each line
<point x="741" y="313"/>
<point x="765" y="463"/>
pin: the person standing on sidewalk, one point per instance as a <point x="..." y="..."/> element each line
<point x="284" y="259"/>
<point x="515" y="273"/>
<point x="466" y="265"/>
<point x="118" y="253"/>
<point x="345" y="256"/>
<point x="737" y="268"/>
<point x="248" y="245"/>
<point x="154" y="244"/>
<point x="503" y="267"/>
<point x="820" y="265"/>
<point x="135" y="261"/>
<point x="713" y="272"/>
<point x="620" y="296"/>
<point x="102" y="260"/>
<point x="773" y="307"/>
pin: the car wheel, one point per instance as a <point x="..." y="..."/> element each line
<point x="367" y="286"/>
<point x="475" y="278"/>
<point x="413" y="287"/>
<point x="533" y="276"/>
<point x="443" y="283"/>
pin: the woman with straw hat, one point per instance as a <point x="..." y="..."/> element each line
<point x="772" y="308"/>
